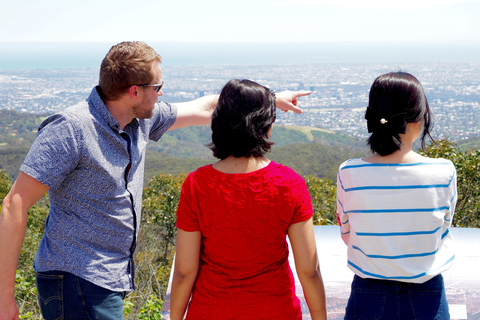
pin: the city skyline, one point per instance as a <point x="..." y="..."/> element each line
<point x="337" y="102"/>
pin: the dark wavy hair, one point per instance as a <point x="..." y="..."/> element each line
<point x="241" y="122"/>
<point x="396" y="98"/>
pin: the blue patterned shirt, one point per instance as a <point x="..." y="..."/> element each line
<point x="95" y="173"/>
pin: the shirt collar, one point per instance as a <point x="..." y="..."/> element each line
<point x="96" y="101"/>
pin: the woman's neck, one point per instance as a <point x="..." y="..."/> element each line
<point x="232" y="164"/>
<point x="405" y="154"/>
<point x="396" y="157"/>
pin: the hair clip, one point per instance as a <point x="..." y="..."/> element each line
<point x="383" y="121"/>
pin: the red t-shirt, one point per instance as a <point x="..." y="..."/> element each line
<point x="244" y="271"/>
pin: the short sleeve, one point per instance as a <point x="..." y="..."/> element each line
<point x="452" y="197"/>
<point x="187" y="212"/>
<point x="164" y="116"/>
<point x="301" y="197"/>
<point x="342" y="217"/>
<point x="54" y="153"/>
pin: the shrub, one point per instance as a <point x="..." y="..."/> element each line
<point x="467" y="163"/>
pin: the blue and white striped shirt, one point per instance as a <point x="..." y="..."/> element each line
<point x="95" y="201"/>
<point x="395" y="218"/>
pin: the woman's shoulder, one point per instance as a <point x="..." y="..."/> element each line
<point x="352" y="162"/>
<point x="201" y="171"/>
<point x="440" y="161"/>
<point x="439" y="166"/>
<point x="281" y="170"/>
<point x="275" y="166"/>
<point x="442" y="166"/>
<point x="420" y="160"/>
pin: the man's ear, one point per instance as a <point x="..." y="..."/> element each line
<point x="133" y="91"/>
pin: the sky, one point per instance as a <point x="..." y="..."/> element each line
<point x="275" y="21"/>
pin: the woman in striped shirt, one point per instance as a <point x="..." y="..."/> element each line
<point x="395" y="209"/>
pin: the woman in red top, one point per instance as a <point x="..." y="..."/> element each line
<point x="233" y="218"/>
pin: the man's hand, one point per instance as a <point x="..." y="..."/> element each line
<point x="287" y="100"/>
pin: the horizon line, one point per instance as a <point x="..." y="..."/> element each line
<point x="251" y="42"/>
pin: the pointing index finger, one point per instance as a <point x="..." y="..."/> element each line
<point x="301" y="93"/>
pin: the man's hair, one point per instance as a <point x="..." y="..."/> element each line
<point x="241" y="122"/>
<point x="126" y="64"/>
<point x="396" y="98"/>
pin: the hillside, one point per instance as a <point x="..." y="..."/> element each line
<point x="191" y="142"/>
<point x="309" y="151"/>
<point x="473" y="143"/>
<point x="306" y="150"/>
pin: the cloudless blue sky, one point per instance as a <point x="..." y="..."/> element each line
<point x="240" y="21"/>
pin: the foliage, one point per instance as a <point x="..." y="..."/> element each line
<point x="11" y="158"/>
<point x="467" y="163"/>
<point x="25" y="294"/>
<point x="324" y="200"/>
<point x="17" y="133"/>
<point x="152" y="277"/>
<point x="128" y="306"/>
<point x="160" y="206"/>
<point x="20" y="125"/>
<point x="191" y="142"/>
<point x="185" y="143"/>
<point x="5" y="184"/>
<point x="155" y="248"/>
<point x="285" y="135"/>
<point x="315" y="159"/>
<point x="337" y="139"/>
<point x="472" y="143"/>
<point x="152" y="309"/>
<point x="157" y="163"/>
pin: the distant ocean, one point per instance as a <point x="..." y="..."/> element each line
<point x="89" y="55"/>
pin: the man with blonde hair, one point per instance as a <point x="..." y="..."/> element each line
<point x="90" y="158"/>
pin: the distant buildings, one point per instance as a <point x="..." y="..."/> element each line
<point x="337" y="102"/>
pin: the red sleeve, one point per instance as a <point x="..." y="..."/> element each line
<point x="302" y="201"/>
<point x="187" y="212"/>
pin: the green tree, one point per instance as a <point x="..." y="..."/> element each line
<point x="5" y="185"/>
<point x="156" y="247"/>
<point x="160" y="206"/>
<point x="324" y="200"/>
<point x="467" y="163"/>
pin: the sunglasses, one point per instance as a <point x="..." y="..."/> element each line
<point x="157" y="87"/>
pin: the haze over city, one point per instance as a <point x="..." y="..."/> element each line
<point x="333" y="47"/>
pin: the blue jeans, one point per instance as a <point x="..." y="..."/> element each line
<point x="384" y="299"/>
<point x="63" y="296"/>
